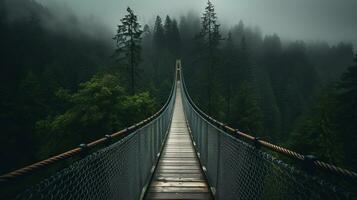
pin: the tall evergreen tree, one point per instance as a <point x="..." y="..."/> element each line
<point x="347" y="114"/>
<point x="238" y="32"/>
<point x="172" y="36"/>
<point x="209" y="39"/>
<point x="248" y="115"/>
<point x="147" y="37"/>
<point x="176" y="39"/>
<point x="159" y="34"/>
<point x="244" y="62"/>
<point x="158" y="49"/>
<point x="168" y="25"/>
<point x="128" y="41"/>
<point x="229" y="74"/>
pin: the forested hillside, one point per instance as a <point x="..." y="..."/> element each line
<point x="61" y="84"/>
<point x="64" y="81"/>
<point x="294" y="93"/>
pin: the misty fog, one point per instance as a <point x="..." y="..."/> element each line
<point x="309" y="20"/>
<point x="268" y="87"/>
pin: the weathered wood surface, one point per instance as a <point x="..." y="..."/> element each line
<point x="178" y="174"/>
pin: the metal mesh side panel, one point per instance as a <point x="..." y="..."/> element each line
<point x="119" y="171"/>
<point x="238" y="170"/>
<point x="98" y="176"/>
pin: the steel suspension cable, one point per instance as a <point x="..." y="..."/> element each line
<point x="276" y="148"/>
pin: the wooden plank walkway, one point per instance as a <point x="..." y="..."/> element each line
<point x="178" y="174"/>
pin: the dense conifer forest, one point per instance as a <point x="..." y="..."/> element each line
<point x="64" y="82"/>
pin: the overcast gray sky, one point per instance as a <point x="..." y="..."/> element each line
<point x="330" y="20"/>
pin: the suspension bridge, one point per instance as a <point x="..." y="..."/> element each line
<point x="179" y="153"/>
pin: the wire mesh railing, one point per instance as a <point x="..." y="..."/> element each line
<point x="121" y="170"/>
<point x="238" y="169"/>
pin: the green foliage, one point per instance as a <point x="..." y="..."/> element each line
<point x="318" y="133"/>
<point x="210" y="29"/>
<point x="207" y="50"/>
<point x="271" y="89"/>
<point x="159" y="34"/>
<point x="328" y="131"/>
<point x="172" y="36"/>
<point x="248" y="116"/>
<point x="100" y="106"/>
<point x="347" y="113"/>
<point x="256" y="84"/>
<point x="128" y="43"/>
<point x="137" y="107"/>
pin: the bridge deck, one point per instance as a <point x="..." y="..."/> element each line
<point x="178" y="174"/>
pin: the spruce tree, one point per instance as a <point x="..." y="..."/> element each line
<point x="208" y="41"/>
<point x="172" y="35"/>
<point x="230" y="74"/>
<point x="347" y="113"/>
<point x="168" y="25"/>
<point x="176" y="39"/>
<point x="128" y="42"/>
<point x="159" y="46"/>
<point x="147" y="39"/>
<point x="159" y="34"/>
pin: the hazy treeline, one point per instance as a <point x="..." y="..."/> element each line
<point x="293" y="93"/>
<point x="36" y="61"/>
<point x="61" y="85"/>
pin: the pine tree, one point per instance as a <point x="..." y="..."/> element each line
<point x="168" y="25"/>
<point x="147" y="37"/>
<point x="230" y="72"/>
<point x="159" y="34"/>
<point x="238" y="32"/>
<point x="128" y="42"/>
<point x="248" y="114"/>
<point x="208" y="40"/>
<point x="172" y="36"/>
<point x="176" y="39"/>
<point x="244" y="61"/>
<point x="2" y="13"/>
<point x="347" y="114"/>
<point x="146" y="29"/>
<point x="158" y="50"/>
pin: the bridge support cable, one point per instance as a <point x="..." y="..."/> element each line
<point x="178" y="174"/>
<point x="237" y="167"/>
<point x="120" y="170"/>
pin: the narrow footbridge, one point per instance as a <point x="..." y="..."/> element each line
<point x="178" y="174"/>
<point x="179" y="153"/>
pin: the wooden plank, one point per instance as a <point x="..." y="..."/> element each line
<point x="178" y="184"/>
<point x="182" y="159"/>
<point x="187" y="178"/>
<point x="181" y="175"/>
<point x="178" y="174"/>
<point x="180" y="155"/>
<point x="180" y="147"/>
<point x="179" y="171"/>
<point x="178" y="189"/>
<point x="162" y="167"/>
<point x="178" y="162"/>
<point x="179" y="151"/>
<point x="170" y="196"/>
<point x="177" y="139"/>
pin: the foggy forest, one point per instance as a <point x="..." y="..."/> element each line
<point x="68" y="76"/>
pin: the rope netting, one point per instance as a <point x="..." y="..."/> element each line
<point x="119" y="171"/>
<point x="237" y="169"/>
